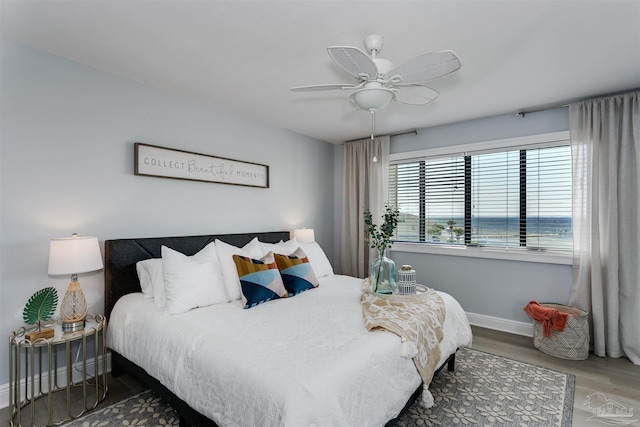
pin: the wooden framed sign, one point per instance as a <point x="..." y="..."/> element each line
<point x="152" y="160"/>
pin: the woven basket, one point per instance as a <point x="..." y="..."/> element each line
<point x="572" y="343"/>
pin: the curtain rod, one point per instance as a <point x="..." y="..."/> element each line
<point x="538" y="110"/>
<point x="415" y="132"/>
<point x="566" y="104"/>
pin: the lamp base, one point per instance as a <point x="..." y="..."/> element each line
<point x="73" y="326"/>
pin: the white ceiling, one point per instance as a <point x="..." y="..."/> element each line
<point x="244" y="56"/>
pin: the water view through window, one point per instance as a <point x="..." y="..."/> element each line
<point x="541" y="232"/>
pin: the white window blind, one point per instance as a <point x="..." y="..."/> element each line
<point x="548" y="198"/>
<point x="516" y="198"/>
<point x="495" y="199"/>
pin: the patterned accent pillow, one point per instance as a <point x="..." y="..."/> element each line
<point x="296" y="271"/>
<point x="260" y="280"/>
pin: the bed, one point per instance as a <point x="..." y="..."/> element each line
<point x="302" y="360"/>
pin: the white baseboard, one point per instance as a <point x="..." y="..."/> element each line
<point x="62" y="379"/>
<point x="500" y="324"/>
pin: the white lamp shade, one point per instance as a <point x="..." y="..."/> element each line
<point x="73" y="255"/>
<point x="304" y="235"/>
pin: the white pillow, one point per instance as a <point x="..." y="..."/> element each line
<point x="318" y="259"/>
<point x="152" y="280"/>
<point x="192" y="281"/>
<point x="228" y="266"/>
<point x="144" y="278"/>
<point x="282" y="248"/>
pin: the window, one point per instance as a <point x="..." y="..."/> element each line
<point x="496" y="196"/>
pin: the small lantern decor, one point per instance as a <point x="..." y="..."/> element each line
<point x="407" y="281"/>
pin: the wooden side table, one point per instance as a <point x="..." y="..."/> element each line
<point x="34" y="373"/>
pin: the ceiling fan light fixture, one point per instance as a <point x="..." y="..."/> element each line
<point x="373" y="98"/>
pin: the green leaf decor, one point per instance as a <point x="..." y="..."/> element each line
<point x="40" y="306"/>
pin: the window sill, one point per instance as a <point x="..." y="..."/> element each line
<point x="515" y="255"/>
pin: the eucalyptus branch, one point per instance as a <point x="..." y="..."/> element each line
<point x="380" y="238"/>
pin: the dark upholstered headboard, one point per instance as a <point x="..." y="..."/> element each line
<point x="121" y="256"/>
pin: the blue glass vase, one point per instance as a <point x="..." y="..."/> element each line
<point x="383" y="275"/>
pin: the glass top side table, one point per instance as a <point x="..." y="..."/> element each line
<point x="35" y="375"/>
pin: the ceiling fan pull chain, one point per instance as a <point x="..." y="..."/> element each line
<point x="373" y="123"/>
<point x="373" y="131"/>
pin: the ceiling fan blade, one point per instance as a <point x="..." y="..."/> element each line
<point x="325" y="87"/>
<point x="354" y="61"/>
<point x="415" y="95"/>
<point x="425" y="67"/>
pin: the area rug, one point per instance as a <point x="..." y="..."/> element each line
<point x="485" y="389"/>
<point x="490" y="390"/>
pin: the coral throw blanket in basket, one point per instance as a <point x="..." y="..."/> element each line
<point x="418" y="320"/>
<point x="551" y="318"/>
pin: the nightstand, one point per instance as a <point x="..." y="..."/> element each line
<point x="35" y="374"/>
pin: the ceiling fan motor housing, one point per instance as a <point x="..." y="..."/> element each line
<point x="373" y="44"/>
<point x="384" y="67"/>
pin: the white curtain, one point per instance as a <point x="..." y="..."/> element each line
<point x="365" y="186"/>
<point x="605" y="140"/>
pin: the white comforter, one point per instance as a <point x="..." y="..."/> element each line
<point x="301" y="361"/>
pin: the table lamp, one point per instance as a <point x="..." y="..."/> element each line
<point x="74" y="255"/>
<point x="304" y="235"/>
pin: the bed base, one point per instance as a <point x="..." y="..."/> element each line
<point x="186" y="414"/>
<point x="189" y="417"/>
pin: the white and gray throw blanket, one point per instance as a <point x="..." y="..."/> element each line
<point x="418" y="320"/>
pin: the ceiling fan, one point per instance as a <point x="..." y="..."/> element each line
<point x="380" y="83"/>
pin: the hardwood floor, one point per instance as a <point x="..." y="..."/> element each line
<point x="618" y="379"/>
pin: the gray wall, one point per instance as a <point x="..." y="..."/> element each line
<point x="488" y="287"/>
<point x="486" y="129"/>
<point x="66" y="165"/>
